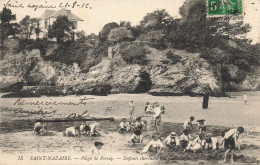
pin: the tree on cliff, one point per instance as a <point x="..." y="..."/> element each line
<point x="103" y="34"/>
<point x="28" y="26"/>
<point x="6" y="27"/>
<point x="159" y="19"/>
<point x="197" y="31"/>
<point x="120" y="34"/>
<point x="61" y="29"/>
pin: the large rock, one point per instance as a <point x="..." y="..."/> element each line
<point x="192" y="75"/>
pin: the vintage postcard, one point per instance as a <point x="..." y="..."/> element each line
<point x="129" y="82"/>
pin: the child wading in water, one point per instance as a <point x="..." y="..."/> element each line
<point x="230" y="139"/>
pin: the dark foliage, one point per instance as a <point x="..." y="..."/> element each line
<point x="29" y="44"/>
<point x="61" y="29"/>
<point x="103" y="34"/>
<point x="68" y="53"/>
<point x="6" y="27"/>
<point x="133" y="53"/>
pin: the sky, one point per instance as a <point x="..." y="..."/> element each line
<point x="101" y="12"/>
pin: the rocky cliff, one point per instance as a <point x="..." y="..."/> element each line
<point x="189" y="75"/>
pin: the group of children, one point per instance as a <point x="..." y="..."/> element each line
<point x="187" y="142"/>
<point x="84" y="129"/>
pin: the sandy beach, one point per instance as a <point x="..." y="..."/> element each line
<point x="16" y="136"/>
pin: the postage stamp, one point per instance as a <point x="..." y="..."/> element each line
<point x="225" y="7"/>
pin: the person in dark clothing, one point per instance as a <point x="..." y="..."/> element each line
<point x="205" y="100"/>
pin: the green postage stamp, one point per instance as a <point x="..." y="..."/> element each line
<point x="225" y="7"/>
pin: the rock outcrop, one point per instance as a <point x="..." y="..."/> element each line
<point x="189" y="75"/>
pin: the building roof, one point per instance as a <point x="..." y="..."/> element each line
<point x="64" y="12"/>
<point x="47" y="13"/>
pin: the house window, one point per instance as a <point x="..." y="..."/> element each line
<point x="45" y="24"/>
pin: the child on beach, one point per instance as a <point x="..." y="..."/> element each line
<point x="137" y="137"/>
<point x="212" y="143"/>
<point x="157" y="116"/>
<point x="123" y="126"/>
<point x="131" y="109"/>
<point x="197" y="144"/>
<point x="188" y="124"/>
<point x="172" y="141"/>
<point x="39" y="128"/>
<point x="155" y="145"/>
<point x="201" y="126"/>
<point x="96" y="150"/>
<point x="139" y="124"/>
<point x="245" y="98"/>
<point x="93" y="129"/>
<point x="185" y="138"/>
<point x="230" y="139"/>
<point x="148" y="108"/>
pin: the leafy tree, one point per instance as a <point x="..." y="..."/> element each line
<point x="126" y="24"/>
<point x="28" y="26"/>
<point x="80" y="34"/>
<point x="6" y="27"/>
<point x="120" y="34"/>
<point x="156" y="20"/>
<point x="154" y="38"/>
<point x="196" y="31"/>
<point x="103" y="34"/>
<point x="133" y="53"/>
<point x="61" y="29"/>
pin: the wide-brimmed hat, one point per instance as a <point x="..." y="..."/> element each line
<point x="138" y="118"/>
<point x="156" y="104"/>
<point x="173" y="134"/>
<point x="201" y="120"/>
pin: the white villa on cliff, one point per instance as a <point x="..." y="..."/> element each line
<point x="49" y="16"/>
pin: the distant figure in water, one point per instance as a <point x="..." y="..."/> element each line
<point x="205" y="101"/>
<point x="245" y="98"/>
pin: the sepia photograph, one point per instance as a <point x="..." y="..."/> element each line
<point x="129" y="82"/>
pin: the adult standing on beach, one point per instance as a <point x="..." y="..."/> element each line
<point x="206" y="93"/>
<point x="205" y="102"/>
<point x="131" y="109"/>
